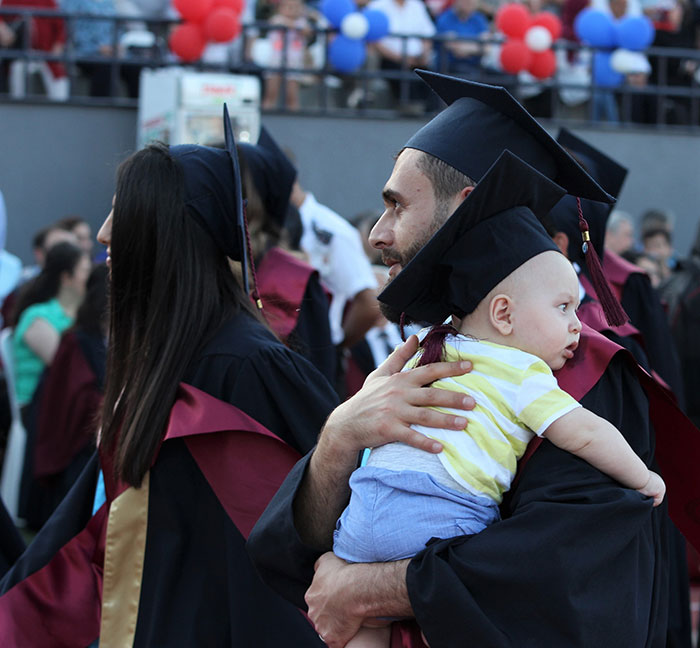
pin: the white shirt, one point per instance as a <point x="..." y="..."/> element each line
<point x="335" y="249"/>
<point x="411" y="19"/>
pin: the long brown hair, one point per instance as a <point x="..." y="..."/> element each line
<point x="171" y="288"/>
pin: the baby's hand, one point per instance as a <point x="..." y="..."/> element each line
<point x="655" y="488"/>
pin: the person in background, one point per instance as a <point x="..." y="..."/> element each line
<point x="464" y="23"/>
<point x="68" y="401"/>
<point x="619" y="233"/>
<point x="82" y="230"/>
<point x="650" y="264"/>
<point x="334" y="248"/>
<point x="294" y="303"/>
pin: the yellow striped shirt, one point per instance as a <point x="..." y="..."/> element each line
<point x="516" y="397"/>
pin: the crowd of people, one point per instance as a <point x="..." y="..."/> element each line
<point x="222" y="426"/>
<point x="285" y="43"/>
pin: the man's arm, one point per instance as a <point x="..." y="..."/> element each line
<point x="580" y="562"/>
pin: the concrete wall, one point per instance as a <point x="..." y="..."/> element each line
<point x="59" y="160"/>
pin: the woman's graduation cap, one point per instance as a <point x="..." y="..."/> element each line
<point x="493" y="232"/>
<point x="213" y="194"/>
<point x="481" y="121"/>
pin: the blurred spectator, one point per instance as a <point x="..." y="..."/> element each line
<point x="657" y="245"/>
<point x="82" y="230"/>
<point x="287" y="49"/>
<point x="42" y="34"/>
<point x="681" y="292"/>
<point x="619" y="233"/>
<point x="46" y="306"/>
<point x="648" y="263"/>
<point x="364" y="222"/>
<point x="406" y="18"/>
<point x="335" y="249"/>
<point x="68" y="401"/>
<point x="10" y="265"/>
<point x="95" y="39"/>
<point x="462" y="20"/>
<point x="653" y="219"/>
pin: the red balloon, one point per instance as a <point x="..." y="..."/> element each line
<point x="543" y="64"/>
<point x="513" y="20"/>
<point x="222" y="25"/>
<point x="187" y="41"/>
<point x="515" y="56"/>
<point x="549" y="21"/>
<point x="236" y="5"/>
<point x="193" y="10"/>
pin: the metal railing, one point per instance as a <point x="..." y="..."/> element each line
<point x="665" y="101"/>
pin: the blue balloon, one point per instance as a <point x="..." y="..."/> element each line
<point x="378" y="24"/>
<point x="595" y="28"/>
<point x="603" y="73"/>
<point x="336" y="10"/>
<point x="346" y="54"/>
<point x="635" y="33"/>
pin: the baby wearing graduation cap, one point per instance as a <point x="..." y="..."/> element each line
<point x="513" y="298"/>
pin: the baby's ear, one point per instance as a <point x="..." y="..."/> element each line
<point x="501" y="314"/>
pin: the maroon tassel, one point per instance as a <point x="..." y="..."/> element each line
<point x="402" y="324"/>
<point x="614" y="313"/>
<point x="255" y="294"/>
<point x="434" y="344"/>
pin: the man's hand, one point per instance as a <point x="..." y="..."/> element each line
<point x="391" y="401"/>
<point x="343" y="596"/>
<point x="7" y="36"/>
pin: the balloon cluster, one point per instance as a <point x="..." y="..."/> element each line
<point x="529" y="40"/>
<point x="206" y="21"/>
<point x="618" y="44"/>
<point x="347" y="51"/>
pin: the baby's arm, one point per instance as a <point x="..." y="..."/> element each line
<point x="593" y="439"/>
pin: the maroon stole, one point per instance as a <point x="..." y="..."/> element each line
<point x="282" y="280"/>
<point x="591" y="313"/>
<point x="617" y="270"/>
<point x="91" y="586"/>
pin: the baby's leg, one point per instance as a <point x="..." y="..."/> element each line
<point x="371" y="638"/>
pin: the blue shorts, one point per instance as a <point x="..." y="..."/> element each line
<point x="392" y="515"/>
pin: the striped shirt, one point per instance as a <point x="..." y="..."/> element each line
<point x="516" y="397"/>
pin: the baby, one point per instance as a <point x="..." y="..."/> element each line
<point x="523" y="328"/>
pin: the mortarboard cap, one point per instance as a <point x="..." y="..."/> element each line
<point x="212" y="192"/>
<point x="481" y="121"/>
<point x="273" y="174"/>
<point x="493" y="232"/>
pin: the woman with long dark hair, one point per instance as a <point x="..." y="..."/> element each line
<point x="204" y="412"/>
<point x="45" y="308"/>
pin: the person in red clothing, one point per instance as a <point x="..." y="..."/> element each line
<point x="45" y="34"/>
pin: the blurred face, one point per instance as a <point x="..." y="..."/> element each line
<point x="465" y="7"/>
<point x="658" y="247"/>
<point x="104" y="236"/>
<point x="544" y="310"/>
<point x="55" y="236"/>
<point x="291" y="8"/>
<point x="621" y="239"/>
<point x="77" y="281"/>
<point x="83" y="233"/>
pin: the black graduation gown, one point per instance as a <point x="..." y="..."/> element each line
<point x="198" y="586"/>
<point x="580" y="562"/>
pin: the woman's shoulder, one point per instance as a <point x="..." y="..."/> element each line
<point x="49" y="310"/>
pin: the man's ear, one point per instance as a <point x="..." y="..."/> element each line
<point x="561" y="240"/>
<point x="465" y="192"/>
<point x="501" y="314"/>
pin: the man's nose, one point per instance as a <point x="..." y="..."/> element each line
<point x="382" y="234"/>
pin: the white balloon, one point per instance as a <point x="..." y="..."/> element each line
<point x="628" y="62"/>
<point x="354" y="25"/>
<point x="538" y="38"/>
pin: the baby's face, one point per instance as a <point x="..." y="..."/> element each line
<point x="544" y="311"/>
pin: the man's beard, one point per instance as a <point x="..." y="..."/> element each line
<point x="392" y="254"/>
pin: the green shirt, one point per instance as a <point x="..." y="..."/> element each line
<point x="28" y="365"/>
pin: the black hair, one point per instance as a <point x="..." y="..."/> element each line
<point x="171" y="289"/>
<point x="61" y="258"/>
<point x="92" y="314"/>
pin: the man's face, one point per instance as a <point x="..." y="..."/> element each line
<point x="622" y="239"/>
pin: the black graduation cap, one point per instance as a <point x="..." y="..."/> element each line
<point x="481" y="121"/>
<point x="273" y="174"/>
<point x="493" y="232"/>
<point x="213" y="193"/>
<point x="609" y="174"/>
